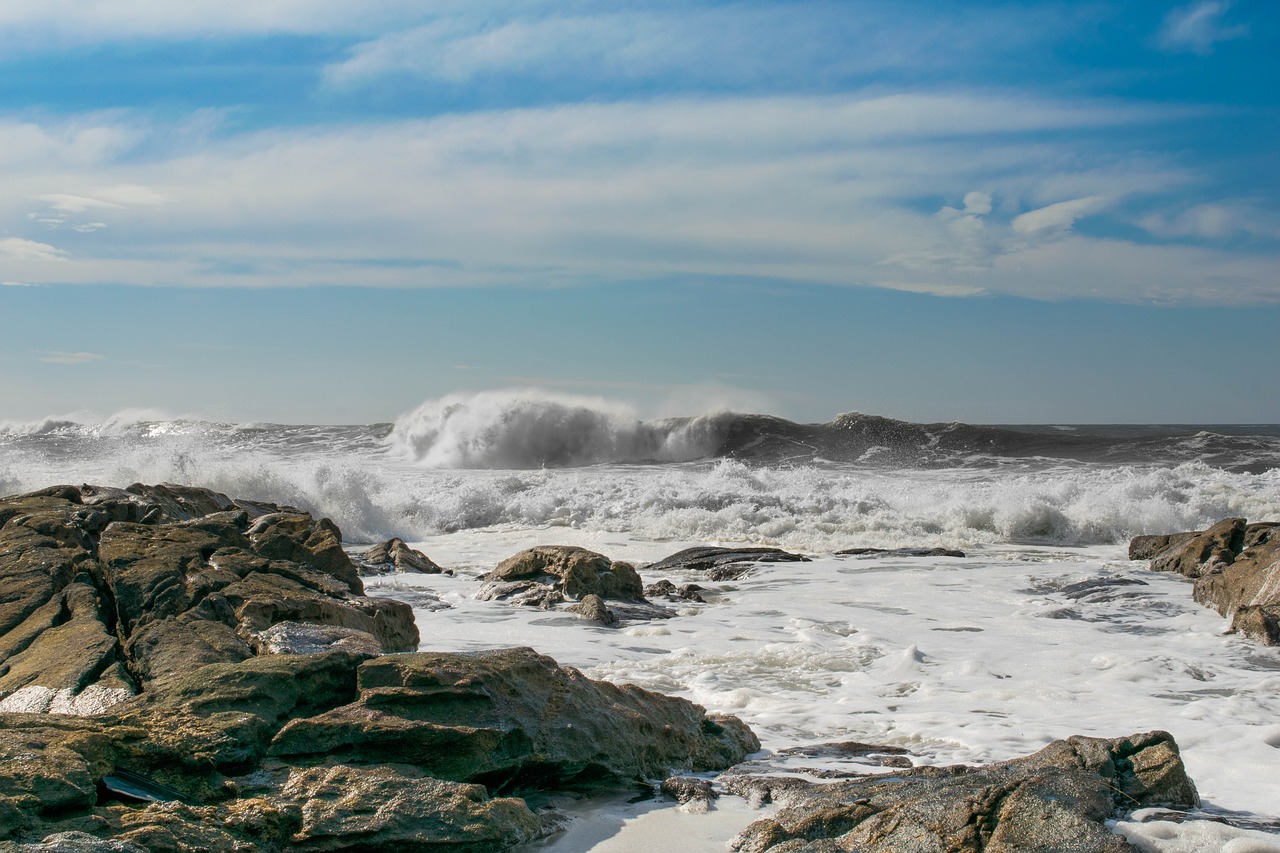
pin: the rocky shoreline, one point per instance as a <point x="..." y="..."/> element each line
<point x="1235" y="566"/>
<point x="180" y="670"/>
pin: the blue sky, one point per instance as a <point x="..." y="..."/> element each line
<point x="994" y="212"/>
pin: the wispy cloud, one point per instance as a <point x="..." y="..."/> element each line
<point x="19" y="249"/>
<point x="808" y="189"/>
<point x="64" y="209"/>
<point x="737" y="45"/>
<point x="63" y="357"/>
<point x="1198" y="27"/>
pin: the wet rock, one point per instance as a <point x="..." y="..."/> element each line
<point x="592" y="608"/>
<point x="395" y="556"/>
<point x="696" y="794"/>
<point x="902" y="552"/>
<point x="1058" y="799"/>
<point x="549" y="575"/>
<point x="512" y="718"/>
<point x="1148" y="547"/>
<point x="665" y="588"/>
<point x="572" y="571"/>
<point x="722" y="563"/>
<point x="1236" y="568"/>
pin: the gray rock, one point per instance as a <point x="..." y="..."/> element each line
<point x="1056" y="800"/>
<point x="716" y="560"/>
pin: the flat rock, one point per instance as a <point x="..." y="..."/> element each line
<point x="513" y="718"/>
<point x="709" y="559"/>
<point x="901" y="552"/>
<point x="1058" y="799"/>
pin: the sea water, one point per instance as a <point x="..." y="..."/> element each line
<point x="1043" y="630"/>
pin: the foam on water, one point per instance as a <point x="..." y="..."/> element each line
<point x="958" y="660"/>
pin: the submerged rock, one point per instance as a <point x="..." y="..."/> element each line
<point x="722" y="563"/>
<point x="901" y="552"/>
<point x="1058" y="799"/>
<point x="1236" y="569"/>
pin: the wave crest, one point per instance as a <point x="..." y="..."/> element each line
<point x="533" y="429"/>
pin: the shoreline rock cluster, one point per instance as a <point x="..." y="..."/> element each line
<point x="184" y="671"/>
<point x="1235" y="566"/>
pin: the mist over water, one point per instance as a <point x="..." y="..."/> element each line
<point x="531" y="459"/>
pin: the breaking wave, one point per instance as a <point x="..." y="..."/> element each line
<point x="532" y="429"/>
<point x="529" y="459"/>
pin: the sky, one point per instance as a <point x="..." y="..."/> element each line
<point x="330" y="211"/>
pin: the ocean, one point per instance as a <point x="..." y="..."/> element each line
<point x="1043" y="630"/>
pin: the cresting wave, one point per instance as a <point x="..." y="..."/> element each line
<point x="475" y="462"/>
<point x="532" y="429"/>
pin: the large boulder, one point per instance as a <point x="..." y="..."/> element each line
<point x="512" y="717"/>
<point x="1056" y="800"/>
<point x="1236" y="569"/>
<point x="108" y="592"/>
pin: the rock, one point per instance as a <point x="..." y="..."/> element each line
<point x="395" y="556"/>
<point x="1056" y="800"/>
<point x="512" y="718"/>
<point x="549" y="575"/>
<point x="1147" y="547"/>
<point x="1217" y="545"/>
<point x="696" y="794"/>
<point x="109" y="592"/>
<point x="688" y="592"/>
<point x="902" y="552"/>
<point x="378" y="753"/>
<point x="240" y="704"/>
<point x="572" y="571"/>
<point x="592" y="609"/>
<point x="389" y="807"/>
<point x="1236" y="568"/>
<point x="722" y="563"/>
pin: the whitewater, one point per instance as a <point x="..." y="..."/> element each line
<point x="959" y="660"/>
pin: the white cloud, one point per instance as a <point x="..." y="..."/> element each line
<point x="1198" y="27"/>
<point x="1213" y="222"/>
<point x="64" y="207"/>
<point x="62" y="357"/>
<point x="820" y="189"/>
<point x="1059" y="217"/>
<point x="42" y="23"/>
<point x="723" y="44"/>
<point x="18" y="249"/>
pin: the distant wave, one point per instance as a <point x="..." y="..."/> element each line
<point x="532" y="459"/>
<point x="532" y="429"/>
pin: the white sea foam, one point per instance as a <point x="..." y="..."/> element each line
<point x="957" y="660"/>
